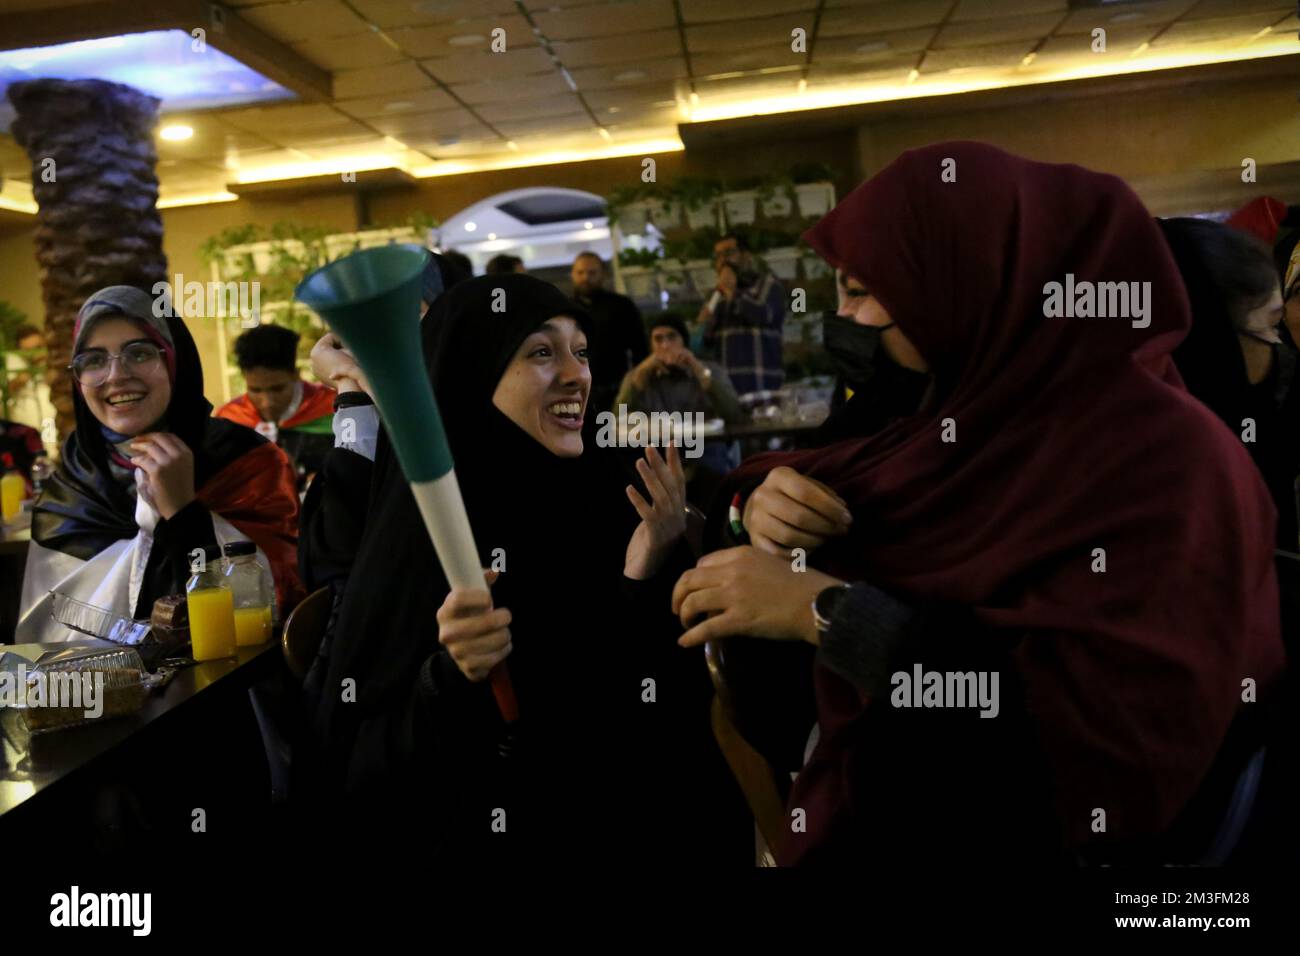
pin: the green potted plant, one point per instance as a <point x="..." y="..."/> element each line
<point x="813" y="189"/>
<point x="740" y="199"/>
<point x="638" y="269"/>
<point x="776" y="196"/>
<point x="780" y="253"/>
<point x="626" y="209"/>
<point x="699" y="198"/>
<point x="813" y="266"/>
<point x="664" y="208"/>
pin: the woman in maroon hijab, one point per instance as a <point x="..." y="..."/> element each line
<point x="1060" y="513"/>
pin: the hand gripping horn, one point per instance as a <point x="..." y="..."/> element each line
<point x="372" y="300"/>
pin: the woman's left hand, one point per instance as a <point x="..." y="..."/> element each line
<point x="168" y="465"/>
<point x="663" y="517"/>
<point x="750" y="592"/>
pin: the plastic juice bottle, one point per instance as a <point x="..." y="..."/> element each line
<point x="253" y="590"/>
<point x="211" y="609"/>
<point x="12" y="490"/>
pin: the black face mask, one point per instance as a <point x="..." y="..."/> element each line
<point x="854" y="349"/>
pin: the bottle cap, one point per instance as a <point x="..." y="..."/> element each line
<point x="239" y="549"/>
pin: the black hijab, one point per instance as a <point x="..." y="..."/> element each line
<point x="1213" y="369"/>
<point x="561" y="523"/>
<point x="84" y="509"/>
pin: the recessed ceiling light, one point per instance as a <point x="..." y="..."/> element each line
<point x="586" y="225"/>
<point x="612" y="109"/>
<point x="176" y="132"/>
<point x="471" y="226"/>
<point x="492" y="235"/>
<point x="629" y="75"/>
<point x="467" y="39"/>
<point x="875" y="46"/>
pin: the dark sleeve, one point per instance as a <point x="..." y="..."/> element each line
<point x="680" y="673"/>
<point x="866" y="634"/>
<point x="334" y="513"/>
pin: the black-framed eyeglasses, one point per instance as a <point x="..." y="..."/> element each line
<point x="93" y="368"/>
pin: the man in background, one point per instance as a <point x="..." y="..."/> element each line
<point x="503" y="264"/>
<point x="296" y="415"/>
<point x="744" y="318"/>
<point x="618" y="341"/>
<point x="671" y="379"/>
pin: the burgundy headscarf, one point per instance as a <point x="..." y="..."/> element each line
<point x="1072" y="434"/>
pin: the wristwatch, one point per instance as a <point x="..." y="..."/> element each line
<point x="825" y="604"/>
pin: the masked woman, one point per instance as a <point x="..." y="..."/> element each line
<point x="405" y="735"/>
<point x="1060" y="515"/>
<point x="148" y="476"/>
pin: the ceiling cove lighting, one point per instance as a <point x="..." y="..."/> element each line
<point x="203" y="199"/>
<point x="17" y="197"/>
<point x="162" y="63"/>
<point x="932" y="85"/>
<point x="548" y="158"/>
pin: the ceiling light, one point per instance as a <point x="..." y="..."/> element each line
<point x="605" y="134"/>
<point x="467" y="39"/>
<point x="586" y="225"/>
<point x="471" y="226"/>
<point x="398" y="105"/>
<point x="612" y="109"/>
<point x="492" y="235"/>
<point x="512" y="145"/>
<point x="803" y="85"/>
<point x="176" y="132"/>
<point x="1140" y="50"/>
<point x="914" y="75"/>
<point x="1029" y="58"/>
<point x="629" y="75"/>
<point x="695" y="99"/>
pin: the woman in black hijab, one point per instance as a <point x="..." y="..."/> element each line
<point x="148" y="475"/>
<point x="610" y="755"/>
<point x="1234" y="359"/>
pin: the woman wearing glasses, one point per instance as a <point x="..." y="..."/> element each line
<point x="148" y="476"/>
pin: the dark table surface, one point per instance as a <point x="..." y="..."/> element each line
<point x="33" y="764"/>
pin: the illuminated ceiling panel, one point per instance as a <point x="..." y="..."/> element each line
<point x="163" y="63"/>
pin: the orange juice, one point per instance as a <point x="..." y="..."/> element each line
<point x="212" y="623"/>
<point x="252" y="625"/>
<point x="12" y="492"/>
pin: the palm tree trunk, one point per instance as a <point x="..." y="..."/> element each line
<point x="93" y="177"/>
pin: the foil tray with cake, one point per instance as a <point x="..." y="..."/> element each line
<point x="163" y="637"/>
<point x="55" y="686"/>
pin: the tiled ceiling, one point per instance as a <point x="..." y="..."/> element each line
<point x="418" y="80"/>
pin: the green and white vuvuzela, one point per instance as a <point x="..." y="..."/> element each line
<point x="372" y="300"/>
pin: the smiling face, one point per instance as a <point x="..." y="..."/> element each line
<point x="862" y="307"/>
<point x="132" y="398"/>
<point x="544" y="388"/>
